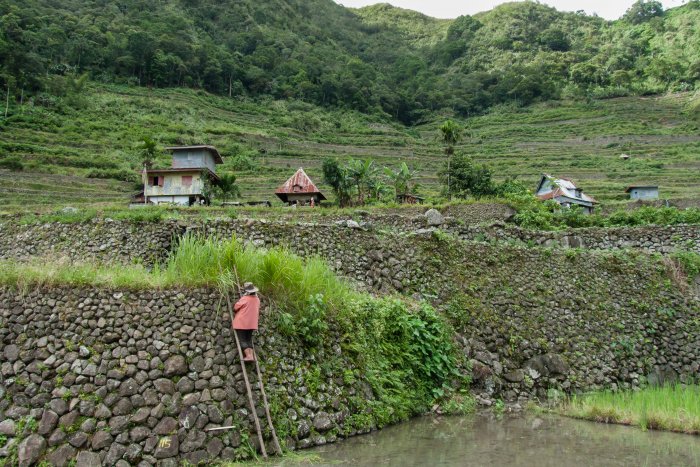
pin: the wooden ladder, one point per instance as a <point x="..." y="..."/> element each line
<point x="275" y="441"/>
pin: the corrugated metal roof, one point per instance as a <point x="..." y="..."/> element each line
<point x="299" y="183"/>
<point x="564" y="187"/>
<point x="642" y="185"/>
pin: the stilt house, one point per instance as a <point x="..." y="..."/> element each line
<point x="185" y="182"/>
<point x="299" y="189"/>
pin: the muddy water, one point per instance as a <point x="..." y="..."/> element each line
<point x="512" y="441"/>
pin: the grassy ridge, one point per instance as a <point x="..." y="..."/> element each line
<point x="672" y="408"/>
<point x="264" y="142"/>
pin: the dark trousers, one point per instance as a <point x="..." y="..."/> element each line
<point x="245" y="337"/>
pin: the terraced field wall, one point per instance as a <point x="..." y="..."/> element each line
<point x="106" y="240"/>
<point x="528" y="319"/>
<point x="139" y="377"/>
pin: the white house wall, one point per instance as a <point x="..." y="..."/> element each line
<point x="182" y="200"/>
<point x="642" y="193"/>
<point x="172" y="186"/>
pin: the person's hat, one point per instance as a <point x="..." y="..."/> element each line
<point x="249" y="288"/>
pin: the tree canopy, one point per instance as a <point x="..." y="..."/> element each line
<point x="379" y="60"/>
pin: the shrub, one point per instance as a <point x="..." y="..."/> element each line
<point x="12" y="163"/>
<point x="689" y="262"/>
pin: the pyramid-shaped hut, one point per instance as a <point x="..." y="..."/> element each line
<point x="299" y="189"/>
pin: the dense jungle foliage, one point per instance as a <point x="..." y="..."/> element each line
<point x="379" y="60"/>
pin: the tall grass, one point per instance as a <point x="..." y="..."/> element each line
<point x="62" y="272"/>
<point x="279" y="274"/>
<point x="198" y="261"/>
<point x="670" y="407"/>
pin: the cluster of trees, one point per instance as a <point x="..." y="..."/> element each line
<point x="320" y="52"/>
<point x="463" y="178"/>
<point x="358" y="182"/>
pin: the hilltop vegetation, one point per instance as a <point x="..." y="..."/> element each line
<point x="377" y="60"/>
<point x="280" y="84"/>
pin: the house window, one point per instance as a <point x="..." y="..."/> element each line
<point x="156" y="180"/>
<point x="187" y="180"/>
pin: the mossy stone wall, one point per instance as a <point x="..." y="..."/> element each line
<point x="140" y="377"/>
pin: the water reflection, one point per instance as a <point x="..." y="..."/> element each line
<point x="514" y="441"/>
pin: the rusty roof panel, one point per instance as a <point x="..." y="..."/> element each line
<point x="299" y="183"/>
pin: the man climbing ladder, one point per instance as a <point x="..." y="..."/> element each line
<point x="245" y="321"/>
<point x="246" y="313"/>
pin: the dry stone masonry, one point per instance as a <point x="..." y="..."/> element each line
<point x="118" y="377"/>
<point x="127" y="378"/>
<point x="111" y="241"/>
<point x="102" y="240"/>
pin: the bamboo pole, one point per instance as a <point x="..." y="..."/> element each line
<point x="247" y="383"/>
<point x="275" y="441"/>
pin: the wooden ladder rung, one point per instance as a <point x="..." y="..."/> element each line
<point x="249" y="390"/>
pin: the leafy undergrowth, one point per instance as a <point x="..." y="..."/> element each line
<point x="402" y="349"/>
<point x="534" y="214"/>
<point x="671" y="408"/>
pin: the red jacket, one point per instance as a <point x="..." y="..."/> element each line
<point x="246" y="312"/>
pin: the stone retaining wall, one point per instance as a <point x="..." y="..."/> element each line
<point x="652" y="239"/>
<point x="102" y="240"/>
<point x="122" y="371"/>
<point x="512" y="304"/>
<point x="108" y="241"/>
<point x="137" y="378"/>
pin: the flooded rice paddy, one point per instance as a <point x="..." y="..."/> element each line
<point x="526" y="440"/>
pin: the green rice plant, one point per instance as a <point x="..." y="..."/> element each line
<point x="670" y="407"/>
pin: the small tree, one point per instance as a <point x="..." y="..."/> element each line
<point x="76" y="90"/>
<point x="402" y="179"/>
<point x="364" y="175"/>
<point x="226" y="188"/>
<point x="338" y="178"/>
<point x="148" y="149"/>
<point x="451" y="135"/>
<point x="468" y="178"/>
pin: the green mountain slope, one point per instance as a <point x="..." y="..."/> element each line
<point x="264" y="142"/>
<point x="379" y="60"/>
<point x="278" y="84"/>
<point x="416" y="28"/>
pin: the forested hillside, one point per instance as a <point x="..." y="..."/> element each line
<point x="379" y="60"/>
<point x="278" y="84"/>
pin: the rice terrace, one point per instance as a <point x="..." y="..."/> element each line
<point x="292" y="232"/>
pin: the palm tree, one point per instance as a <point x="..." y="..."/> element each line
<point x="148" y="151"/>
<point x="226" y="187"/>
<point x="401" y="178"/>
<point x="338" y="178"/>
<point x="451" y="135"/>
<point x="363" y="175"/>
